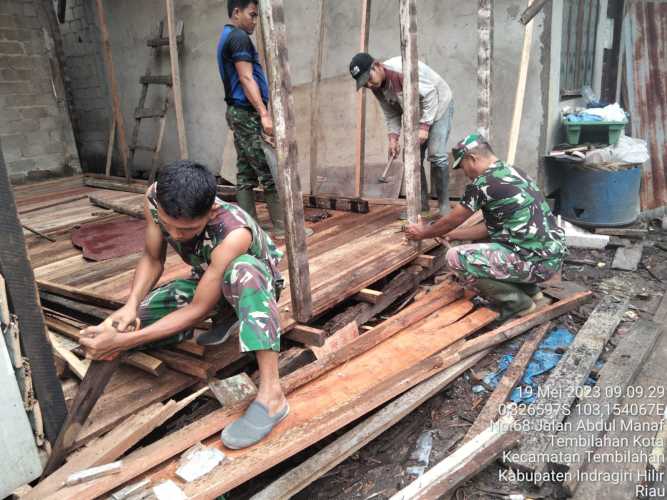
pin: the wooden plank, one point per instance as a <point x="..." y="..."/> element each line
<point x="185" y="364"/>
<point x="95" y="380"/>
<point x="352" y="441"/>
<point x="273" y="25"/>
<point x="360" y="143"/>
<point x="617" y="373"/>
<point x="628" y="258"/>
<point x="370" y="296"/>
<point x="115" y="183"/>
<point x="78" y="366"/>
<point x="484" y="66"/>
<point x="346" y="394"/>
<point x="464" y="463"/>
<point x="660" y="315"/>
<point x="337" y="341"/>
<point x="333" y="202"/>
<point x="315" y="100"/>
<point x="146" y="363"/>
<point x="116" y="207"/>
<point x="622" y="232"/>
<point x="191" y="347"/>
<point x="425" y="261"/>
<point x="408" y="316"/>
<point x="510" y="379"/>
<point x="22" y="293"/>
<point x="105" y="449"/>
<point x="572" y="371"/>
<point x="113" y="85"/>
<point x="176" y="80"/>
<point x="307" y="335"/>
<point x="411" y="155"/>
<point x="112" y="140"/>
<point x="72" y="293"/>
<point x="520" y="92"/>
<point x="532" y="11"/>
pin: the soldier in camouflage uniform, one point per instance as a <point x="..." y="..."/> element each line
<point x="233" y="262"/>
<point x="524" y="245"/>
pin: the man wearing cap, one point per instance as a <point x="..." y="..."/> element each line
<point x="436" y="106"/>
<point x="522" y="244"/>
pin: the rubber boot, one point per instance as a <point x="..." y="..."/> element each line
<point x="246" y="200"/>
<point x="440" y="179"/>
<point x="509" y="297"/>
<point x="275" y="212"/>
<point x="532" y="290"/>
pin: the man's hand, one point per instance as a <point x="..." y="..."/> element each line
<point x="394" y="146"/>
<point x="423" y="135"/>
<point x="124" y="318"/>
<point x="101" y="341"/>
<point x="267" y="124"/>
<point x="417" y="231"/>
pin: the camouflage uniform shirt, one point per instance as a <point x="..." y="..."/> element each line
<point x="516" y="214"/>
<point x="197" y="252"/>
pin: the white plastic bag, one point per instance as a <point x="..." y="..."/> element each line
<point x="630" y="150"/>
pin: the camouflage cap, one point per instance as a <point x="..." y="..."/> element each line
<point x="469" y="142"/>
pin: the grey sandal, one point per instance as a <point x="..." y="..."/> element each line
<point x="252" y="427"/>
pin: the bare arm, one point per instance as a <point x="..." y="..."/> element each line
<point x="441" y="227"/>
<point x="107" y="342"/>
<point x="151" y="265"/>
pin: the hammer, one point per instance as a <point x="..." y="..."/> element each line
<point x="383" y="177"/>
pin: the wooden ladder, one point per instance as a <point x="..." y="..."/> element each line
<point x="141" y="112"/>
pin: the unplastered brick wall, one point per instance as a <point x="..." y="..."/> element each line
<point x="35" y="129"/>
<point x="86" y="82"/>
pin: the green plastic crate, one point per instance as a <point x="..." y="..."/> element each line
<point x="573" y="130"/>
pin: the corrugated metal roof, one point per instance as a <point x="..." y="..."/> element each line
<point x="646" y="78"/>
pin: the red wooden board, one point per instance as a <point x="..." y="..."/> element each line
<point x="108" y="240"/>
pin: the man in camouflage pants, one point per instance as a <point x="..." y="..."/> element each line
<point x="233" y="262"/>
<point x="524" y="245"/>
<point x="247" y="98"/>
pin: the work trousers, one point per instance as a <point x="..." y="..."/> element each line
<point x="438" y="156"/>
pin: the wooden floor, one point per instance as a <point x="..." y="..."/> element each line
<point x="347" y="253"/>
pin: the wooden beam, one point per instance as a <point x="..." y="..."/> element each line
<point x="289" y="186"/>
<point x="464" y="463"/>
<point x="24" y="303"/>
<point x="352" y="441"/>
<point x="110" y="145"/>
<point x="411" y="109"/>
<point x="532" y="11"/>
<point x="368" y="295"/>
<point x="176" y="80"/>
<point x="484" y="66"/>
<point x="73" y="293"/>
<point x="356" y="205"/>
<point x="337" y="341"/>
<point x="307" y="335"/>
<point x="115" y="183"/>
<point x="360" y="147"/>
<point x="113" y="86"/>
<point x="572" y="371"/>
<point x="520" y="92"/>
<point x="617" y="373"/>
<point x="510" y="379"/>
<point x="425" y="261"/>
<point x="315" y="100"/>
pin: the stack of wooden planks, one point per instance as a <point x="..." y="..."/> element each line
<point x="430" y="336"/>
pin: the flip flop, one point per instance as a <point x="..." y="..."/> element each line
<point x="252" y="427"/>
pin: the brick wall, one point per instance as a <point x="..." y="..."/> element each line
<point x="86" y="82"/>
<point x="35" y="129"/>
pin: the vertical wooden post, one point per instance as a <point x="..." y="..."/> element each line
<point x="520" y="91"/>
<point x="282" y="104"/>
<point x="24" y="301"/>
<point x="360" y="150"/>
<point x="113" y="86"/>
<point x="315" y="102"/>
<point x="408" y="25"/>
<point x="484" y="66"/>
<point x="176" y="80"/>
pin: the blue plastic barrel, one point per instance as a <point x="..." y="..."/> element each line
<point x="592" y="197"/>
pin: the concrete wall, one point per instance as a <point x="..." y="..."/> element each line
<point x="447" y="41"/>
<point x="35" y="129"/>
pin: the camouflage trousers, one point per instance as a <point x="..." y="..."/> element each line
<point x="251" y="164"/>
<point x="248" y="285"/>
<point x="496" y="261"/>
